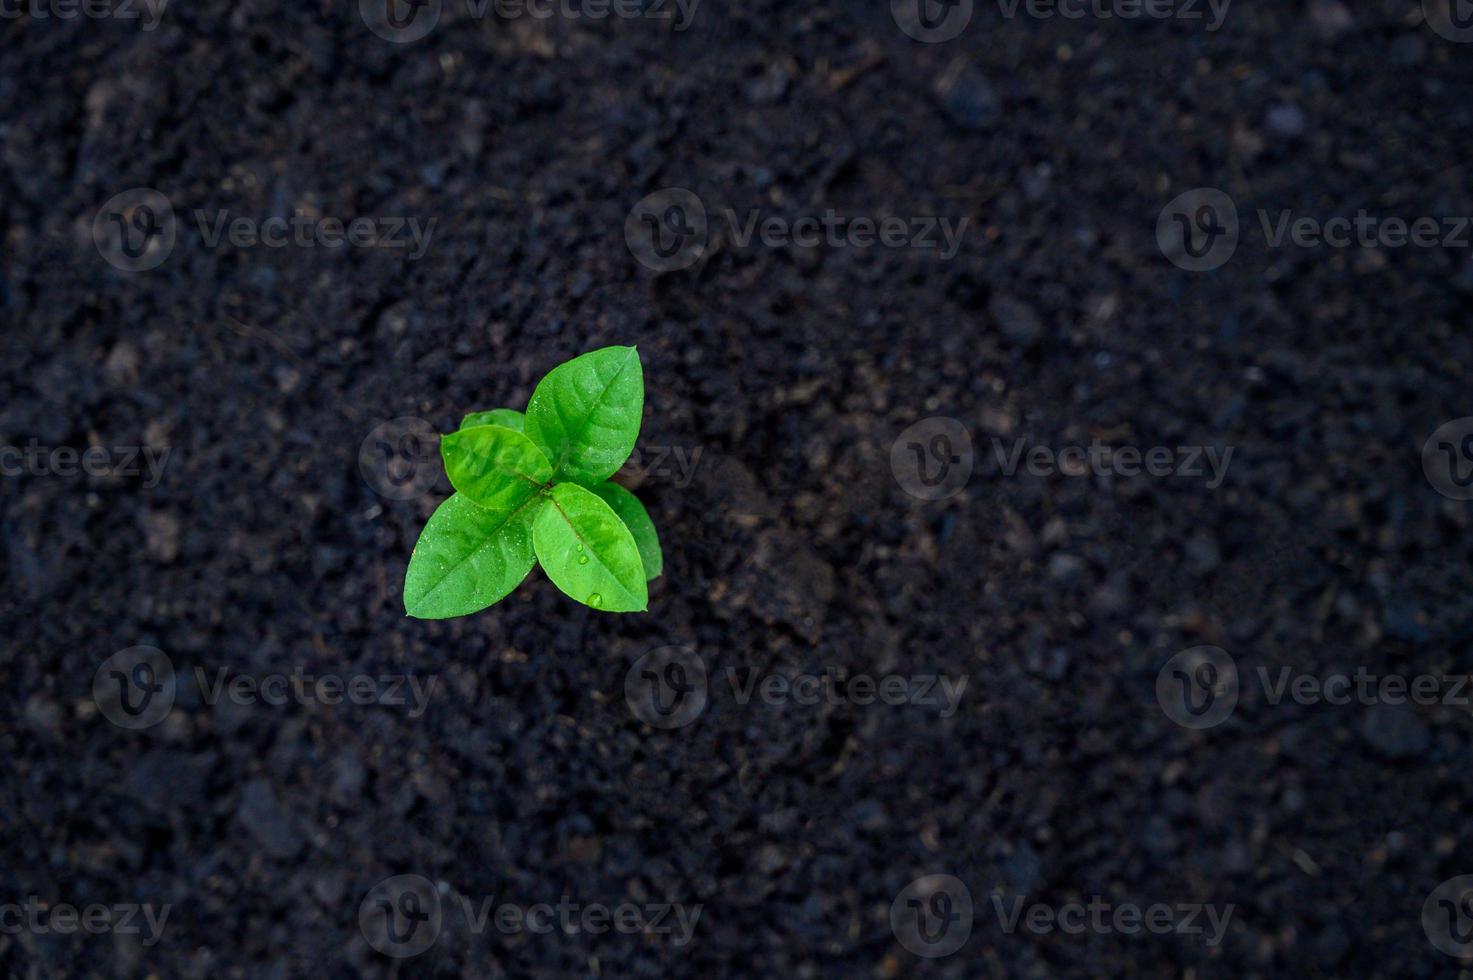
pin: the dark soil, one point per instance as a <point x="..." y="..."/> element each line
<point x="264" y="549"/>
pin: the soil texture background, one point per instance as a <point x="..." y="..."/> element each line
<point x="276" y="381"/>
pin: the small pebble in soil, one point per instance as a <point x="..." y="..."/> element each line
<point x="1065" y="568"/>
<point x="161" y="535"/>
<point x="1203" y="554"/>
<point x="1330" y="18"/>
<point x="1394" y="731"/>
<point x="1285" y="120"/>
<point x="1410" y="49"/>
<point x="967" y="97"/>
<point x="1018" y="321"/>
<point x="770" y="87"/>
<point x="262" y="815"/>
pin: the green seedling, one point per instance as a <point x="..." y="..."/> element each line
<point x="534" y="488"/>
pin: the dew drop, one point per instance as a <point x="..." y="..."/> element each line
<point x="583" y="559"/>
<point x="595" y="600"/>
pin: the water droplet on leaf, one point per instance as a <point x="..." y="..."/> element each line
<point x="595" y="599"/>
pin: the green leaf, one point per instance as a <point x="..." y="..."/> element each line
<point x="588" y="552"/>
<point x="508" y="418"/>
<point x="468" y="557"/>
<point x="494" y="466"/>
<point x="637" y="519"/>
<point x="585" y="414"/>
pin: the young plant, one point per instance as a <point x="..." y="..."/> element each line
<point x="534" y="488"/>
